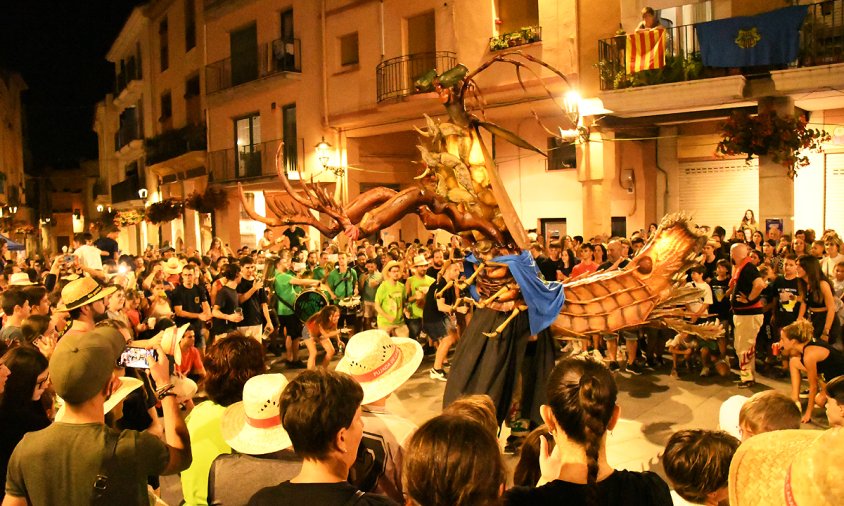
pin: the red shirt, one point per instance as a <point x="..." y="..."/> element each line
<point x="583" y="268"/>
<point x="191" y="361"/>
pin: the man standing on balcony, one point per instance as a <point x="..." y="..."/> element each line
<point x="651" y="21"/>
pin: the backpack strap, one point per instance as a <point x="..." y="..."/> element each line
<point x="99" y="497"/>
<point x="355" y="498"/>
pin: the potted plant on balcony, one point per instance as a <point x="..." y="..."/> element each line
<point x="208" y="201"/>
<point x="165" y="211"/>
<point x="783" y="138"/>
<point x="529" y="34"/>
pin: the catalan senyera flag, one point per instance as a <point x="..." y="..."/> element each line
<point x="646" y="50"/>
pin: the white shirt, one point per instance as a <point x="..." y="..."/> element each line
<point x="384" y="434"/>
<point x="679" y="501"/>
<point x="705" y="297"/>
<point x="90" y="256"/>
<point x="828" y="265"/>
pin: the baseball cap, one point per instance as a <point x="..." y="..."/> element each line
<point x="83" y="363"/>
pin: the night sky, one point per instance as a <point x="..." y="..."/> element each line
<point x="59" y="48"/>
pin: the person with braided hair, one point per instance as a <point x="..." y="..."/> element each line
<point x="581" y="408"/>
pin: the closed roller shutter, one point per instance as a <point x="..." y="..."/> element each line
<point x="719" y="192"/>
<point x="835" y="192"/>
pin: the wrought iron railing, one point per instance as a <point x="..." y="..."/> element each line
<point x="821" y="43"/>
<point x="278" y="56"/>
<point x="173" y="143"/>
<point x="125" y="190"/>
<point x="395" y="77"/>
<point x="122" y="79"/>
<point x="243" y="162"/>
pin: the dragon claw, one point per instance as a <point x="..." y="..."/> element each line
<point x="352" y="231"/>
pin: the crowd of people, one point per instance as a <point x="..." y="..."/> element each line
<point x="118" y="369"/>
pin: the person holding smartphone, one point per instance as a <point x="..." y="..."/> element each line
<point x="227" y="312"/>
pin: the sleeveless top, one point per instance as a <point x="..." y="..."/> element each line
<point x="830" y="367"/>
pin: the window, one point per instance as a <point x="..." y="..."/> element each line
<point x="163" y="45"/>
<point x="248" y="139"/>
<point x="561" y="154"/>
<point x="244" y="51"/>
<point x="287" y="25"/>
<point x="291" y="152"/>
<point x="166" y="106"/>
<point x="190" y="25"/>
<point x="192" y="105"/>
<point x="349" y="49"/>
<point x="514" y="14"/>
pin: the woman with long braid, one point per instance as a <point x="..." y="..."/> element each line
<point x="581" y="410"/>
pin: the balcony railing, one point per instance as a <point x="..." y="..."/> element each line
<point x="243" y="162"/>
<point x="125" y="190"/>
<point x="173" y="143"/>
<point x="821" y="43"/>
<point x="122" y="79"/>
<point x="276" y="57"/>
<point x="126" y="135"/>
<point x="396" y="77"/>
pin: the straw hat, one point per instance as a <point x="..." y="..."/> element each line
<point x="728" y="416"/>
<point x="20" y="279"/>
<point x="786" y="467"/>
<point x="253" y="425"/>
<point x="172" y="266"/>
<point x="380" y="363"/>
<point x="127" y="386"/>
<point x="389" y="265"/>
<point x="170" y="339"/>
<point x="82" y="291"/>
<point x="420" y="261"/>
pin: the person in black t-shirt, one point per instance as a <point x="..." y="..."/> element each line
<point x="438" y="315"/>
<point x="253" y="301"/>
<point x="190" y="304"/>
<point x="296" y="235"/>
<point x="584" y="476"/>
<point x="107" y="244"/>
<point x="746" y="287"/>
<point x="227" y="312"/>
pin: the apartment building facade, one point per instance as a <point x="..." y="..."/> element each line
<point x="13" y="205"/>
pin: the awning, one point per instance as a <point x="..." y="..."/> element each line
<point x="12" y="245"/>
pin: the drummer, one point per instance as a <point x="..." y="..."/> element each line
<point x="286" y="286"/>
<point x="342" y="283"/>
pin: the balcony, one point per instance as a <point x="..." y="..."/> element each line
<point x="125" y="190"/>
<point x="237" y="164"/>
<point x="821" y="43"/>
<point x="395" y="77"/>
<point x="174" y="143"/>
<point x="275" y="58"/>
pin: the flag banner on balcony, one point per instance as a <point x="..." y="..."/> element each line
<point x="772" y="38"/>
<point x="645" y="50"/>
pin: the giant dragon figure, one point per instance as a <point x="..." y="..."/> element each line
<point x="459" y="190"/>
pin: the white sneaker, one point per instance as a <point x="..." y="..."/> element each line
<point x="437" y="374"/>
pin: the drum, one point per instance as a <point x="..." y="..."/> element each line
<point x="350" y="305"/>
<point x="308" y="303"/>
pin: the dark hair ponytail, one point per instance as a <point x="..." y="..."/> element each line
<point x="582" y="395"/>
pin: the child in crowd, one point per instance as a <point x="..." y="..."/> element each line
<point x="697" y="463"/>
<point x="835" y="402"/>
<point x="720" y="307"/>
<point x="766" y="412"/>
<point x="682" y="346"/>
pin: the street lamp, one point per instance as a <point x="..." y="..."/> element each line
<point x="13" y="209"/>
<point x="100" y="208"/>
<point x="323" y="150"/>
<point x="143" y="193"/>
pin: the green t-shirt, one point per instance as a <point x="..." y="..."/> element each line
<point x="344" y="284"/>
<point x="390" y="296"/>
<point x="368" y="291"/>
<point x="418" y="285"/>
<point x="58" y="465"/>
<point x="207" y="443"/>
<point x="286" y="292"/>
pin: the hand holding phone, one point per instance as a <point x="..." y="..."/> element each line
<point x="137" y="358"/>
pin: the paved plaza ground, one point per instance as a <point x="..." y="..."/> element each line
<point x="653" y="406"/>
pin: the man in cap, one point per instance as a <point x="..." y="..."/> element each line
<point x="84" y="300"/>
<point x="82" y="461"/>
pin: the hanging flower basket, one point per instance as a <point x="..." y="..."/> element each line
<point x="165" y="211"/>
<point x="24" y="229"/>
<point x="207" y="202"/>
<point x="781" y="138"/>
<point x="128" y="218"/>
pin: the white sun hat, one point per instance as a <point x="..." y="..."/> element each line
<point x="253" y="425"/>
<point x="127" y="386"/>
<point x="380" y="363"/>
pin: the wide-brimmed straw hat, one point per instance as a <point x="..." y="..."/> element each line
<point x="389" y="265"/>
<point x="20" y="279"/>
<point x="172" y="266"/>
<point x="253" y="425"/>
<point x="380" y="363"/>
<point x="170" y="339"/>
<point x="127" y="386"/>
<point x="789" y="467"/>
<point x="420" y="261"/>
<point x="82" y="291"/>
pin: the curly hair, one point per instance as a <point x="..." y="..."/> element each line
<point x="452" y="460"/>
<point x="229" y="363"/>
<point x="582" y="395"/>
<point x="800" y="331"/>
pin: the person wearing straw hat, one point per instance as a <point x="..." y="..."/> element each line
<point x="381" y="364"/>
<point x="172" y="268"/>
<point x="416" y="288"/>
<point x="15" y="305"/>
<point x="321" y="412"/>
<point x="789" y="467"/>
<point x="262" y="448"/>
<point x="79" y="460"/>
<point x="390" y="300"/>
<point x="20" y="279"/>
<point x="84" y="300"/>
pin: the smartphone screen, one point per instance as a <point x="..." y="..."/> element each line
<point x="136" y="358"/>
